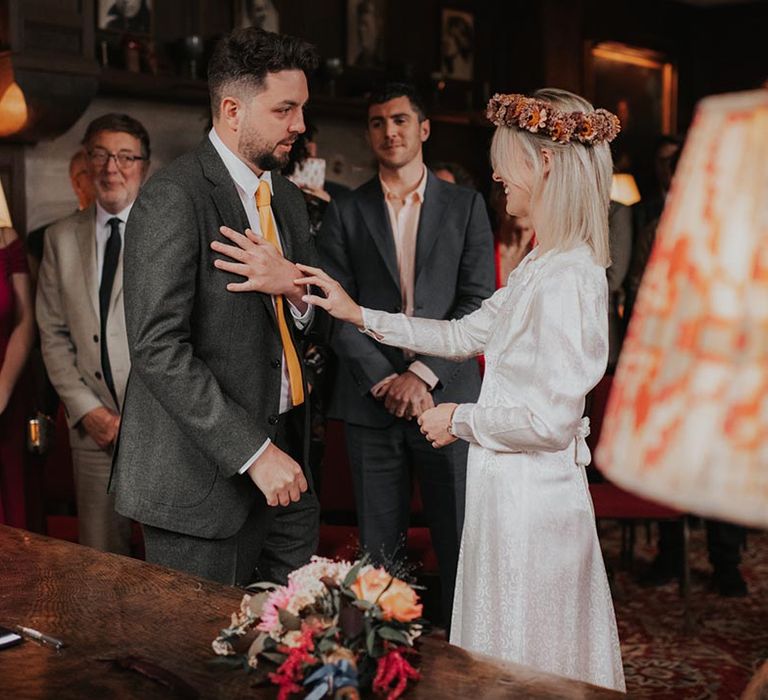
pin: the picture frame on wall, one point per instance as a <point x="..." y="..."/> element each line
<point x="365" y="33"/>
<point x="457" y="44"/>
<point x="125" y="16"/>
<point x="257" y="13"/>
<point x="640" y="87"/>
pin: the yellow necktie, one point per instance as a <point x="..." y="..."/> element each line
<point x="263" y="204"/>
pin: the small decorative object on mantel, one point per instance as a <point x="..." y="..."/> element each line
<point x="336" y="628"/>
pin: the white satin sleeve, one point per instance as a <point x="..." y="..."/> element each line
<point x="455" y="339"/>
<point x="538" y="403"/>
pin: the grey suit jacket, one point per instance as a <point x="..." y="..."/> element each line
<point x="204" y="389"/>
<point x="67" y="309"/>
<point x="454" y="272"/>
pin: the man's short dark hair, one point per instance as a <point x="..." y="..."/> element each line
<point x="391" y="91"/>
<point x="245" y="56"/>
<point x="118" y="122"/>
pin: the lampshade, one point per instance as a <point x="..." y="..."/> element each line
<point x="13" y="110"/>
<point x="5" y="215"/>
<point x="687" y="420"/>
<point x="624" y="189"/>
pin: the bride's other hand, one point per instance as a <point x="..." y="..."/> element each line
<point x="336" y="301"/>
<point x="434" y="424"/>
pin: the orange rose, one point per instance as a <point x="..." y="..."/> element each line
<point x="400" y="602"/>
<point x="370" y="584"/>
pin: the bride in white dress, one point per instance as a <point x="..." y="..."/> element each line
<point x="531" y="584"/>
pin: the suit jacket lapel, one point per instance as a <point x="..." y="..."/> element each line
<point x="85" y="233"/>
<point x="226" y="200"/>
<point x="436" y="203"/>
<point x="376" y="220"/>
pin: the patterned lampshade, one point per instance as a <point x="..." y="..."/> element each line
<point x="687" y="420"/>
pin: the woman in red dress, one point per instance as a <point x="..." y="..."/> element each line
<point x="16" y="336"/>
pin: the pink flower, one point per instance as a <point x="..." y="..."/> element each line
<point x="278" y="600"/>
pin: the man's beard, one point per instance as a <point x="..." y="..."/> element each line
<point x="255" y="151"/>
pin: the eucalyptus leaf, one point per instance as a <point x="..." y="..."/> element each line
<point x="274" y="657"/>
<point x="227" y="661"/>
<point x="256" y="603"/>
<point x="393" y="635"/>
<point x="370" y="640"/>
<point x="289" y="621"/>
<point x="351" y="576"/>
<point x="257" y="645"/>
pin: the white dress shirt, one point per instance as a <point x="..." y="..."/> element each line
<point x="246" y="184"/>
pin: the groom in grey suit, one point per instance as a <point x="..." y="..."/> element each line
<point x="405" y="242"/>
<point x="212" y="450"/>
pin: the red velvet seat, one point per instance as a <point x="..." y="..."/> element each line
<point x="614" y="503"/>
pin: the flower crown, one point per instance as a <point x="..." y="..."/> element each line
<point x="540" y="117"/>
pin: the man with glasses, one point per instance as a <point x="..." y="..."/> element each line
<point x="82" y="322"/>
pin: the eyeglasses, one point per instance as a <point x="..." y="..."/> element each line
<point x="100" y="157"/>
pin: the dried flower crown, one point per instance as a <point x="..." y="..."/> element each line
<point x="540" y="117"/>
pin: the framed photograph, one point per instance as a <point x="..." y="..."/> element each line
<point x="128" y="16"/>
<point x="640" y="87"/>
<point x="457" y="44"/>
<point x="365" y="33"/>
<point x="257" y="13"/>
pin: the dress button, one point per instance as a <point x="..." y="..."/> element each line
<point x="95" y="338"/>
<point x="275" y="364"/>
<point x="98" y="375"/>
<point x="273" y="419"/>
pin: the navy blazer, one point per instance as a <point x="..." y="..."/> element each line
<point x="454" y="273"/>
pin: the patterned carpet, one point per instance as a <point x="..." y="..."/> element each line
<point x="729" y="638"/>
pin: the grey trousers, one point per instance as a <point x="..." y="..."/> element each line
<point x="100" y="525"/>
<point x="272" y="542"/>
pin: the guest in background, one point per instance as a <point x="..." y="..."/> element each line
<point x="646" y="217"/>
<point x="82" y="321"/>
<point x="650" y="207"/>
<point x="620" y="242"/>
<point x="16" y="335"/>
<point x="453" y="172"/>
<point x="406" y="241"/>
<point x="82" y="185"/>
<point x="319" y="359"/>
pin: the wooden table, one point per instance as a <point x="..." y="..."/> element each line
<point x="104" y="605"/>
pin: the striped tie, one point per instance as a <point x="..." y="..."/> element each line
<point x="263" y="204"/>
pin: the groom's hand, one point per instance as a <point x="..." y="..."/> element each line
<point x="278" y="476"/>
<point x="263" y="266"/>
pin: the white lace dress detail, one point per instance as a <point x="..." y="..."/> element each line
<point x="531" y="584"/>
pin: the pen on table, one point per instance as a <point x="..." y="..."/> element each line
<point x="29" y="633"/>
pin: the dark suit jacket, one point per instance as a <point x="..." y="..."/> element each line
<point x="204" y="388"/>
<point x="454" y="272"/>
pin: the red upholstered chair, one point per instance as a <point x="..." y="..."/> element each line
<point x="339" y="535"/>
<point x="614" y="503"/>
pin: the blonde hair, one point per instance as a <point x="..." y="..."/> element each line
<point x="569" y="204"/>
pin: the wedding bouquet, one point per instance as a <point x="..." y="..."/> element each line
<point x="336" y="627"/>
